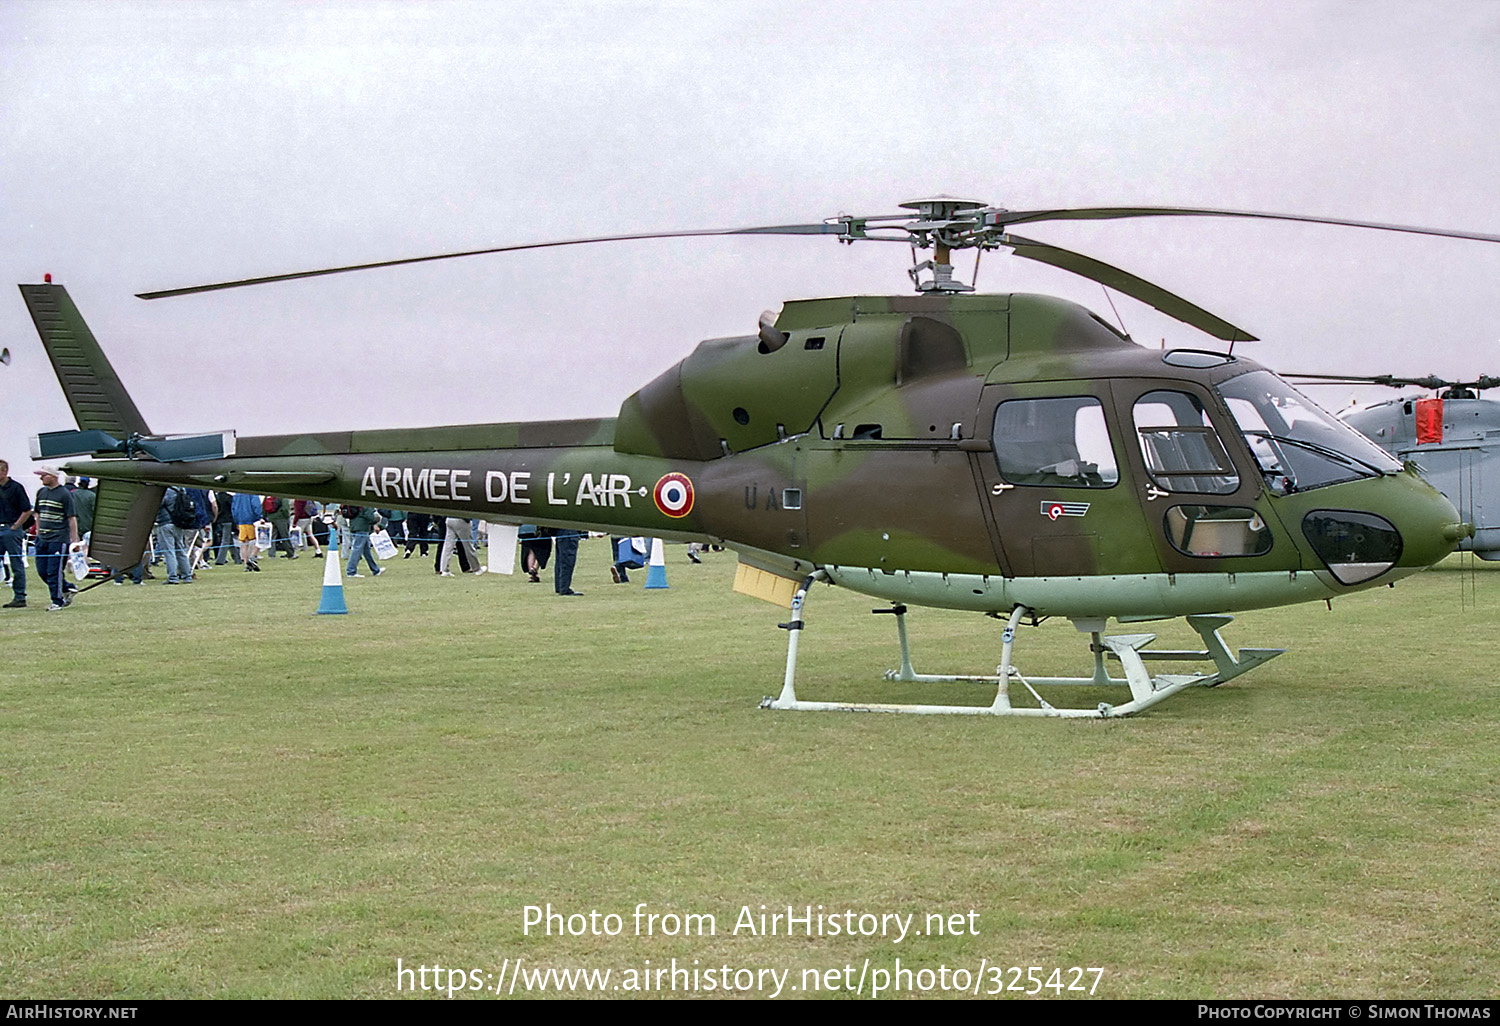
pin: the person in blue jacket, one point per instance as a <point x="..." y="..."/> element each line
<point x="246" y="509"/>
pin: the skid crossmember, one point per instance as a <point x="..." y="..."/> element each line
<point x="1129" y="650"/>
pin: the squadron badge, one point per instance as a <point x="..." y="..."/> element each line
<point x="1053" y="510"/>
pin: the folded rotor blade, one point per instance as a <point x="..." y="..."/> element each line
<point x="1109" y="213"/>
<point x="821" y="228"/>
<point x="1130" y="285"/>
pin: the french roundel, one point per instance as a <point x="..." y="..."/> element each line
<point x="674" y="495"/>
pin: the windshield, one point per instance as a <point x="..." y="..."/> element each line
<point x="1297" y="444"/>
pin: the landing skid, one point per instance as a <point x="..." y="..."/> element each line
<point x="1130" y="650"/>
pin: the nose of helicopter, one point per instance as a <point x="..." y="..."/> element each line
<point x="1430" y="525"/>
<point x="1404" y="525"/>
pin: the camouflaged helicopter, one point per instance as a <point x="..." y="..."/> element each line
<point x="1011" y="455"/>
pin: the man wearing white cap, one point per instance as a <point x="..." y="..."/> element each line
<point x="56" y="531"/>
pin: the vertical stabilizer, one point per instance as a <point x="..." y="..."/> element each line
<point x="93" y="389"/>
<point x="125" y="511"/>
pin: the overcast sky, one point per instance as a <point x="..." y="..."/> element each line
<point x="150" y="145"/>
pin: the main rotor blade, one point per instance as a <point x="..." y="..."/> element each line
<point x="1481" y="383"/>
<point x="1110" y="213"/>
<point x="1130" y="285"/>
<point x="822" y="228"/>
<point x="1388" y="380"/>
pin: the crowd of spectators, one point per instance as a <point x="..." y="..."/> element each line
<point x="197" y="529"/>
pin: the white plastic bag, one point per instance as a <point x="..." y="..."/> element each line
<point x="384" y="547"/>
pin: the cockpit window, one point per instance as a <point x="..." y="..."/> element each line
<point x="1062" y="442"/>
<point x="1297" y="444"/>
<point x="1182" y="450"/>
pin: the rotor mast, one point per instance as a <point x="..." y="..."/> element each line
<point x="937" y="217"/>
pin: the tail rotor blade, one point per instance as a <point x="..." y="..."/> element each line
<point x="56" y="444"/>
<point x="189" y="448"/>
<point x="182" y="449"/>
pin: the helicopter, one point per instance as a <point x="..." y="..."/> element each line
<point x="1007" y="454"/>
<point x="1450" y="437"/>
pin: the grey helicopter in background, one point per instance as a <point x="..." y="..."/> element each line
<point x="1452" y="437"/>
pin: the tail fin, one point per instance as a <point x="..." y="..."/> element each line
<point x="108" y="421"/>
<point x="93" y="389"/>
<point x="125" y="511"/>
<point x="124" y="514"/>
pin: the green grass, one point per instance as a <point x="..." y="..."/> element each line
<point x="208" y="791"/>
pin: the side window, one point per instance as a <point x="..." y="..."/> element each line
<point x="1182" y="450"/>
<point x="1217" y="531"/>
<point x="1061" y="442"/>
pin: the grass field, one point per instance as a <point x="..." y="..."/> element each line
<point x="208" y="791"/>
